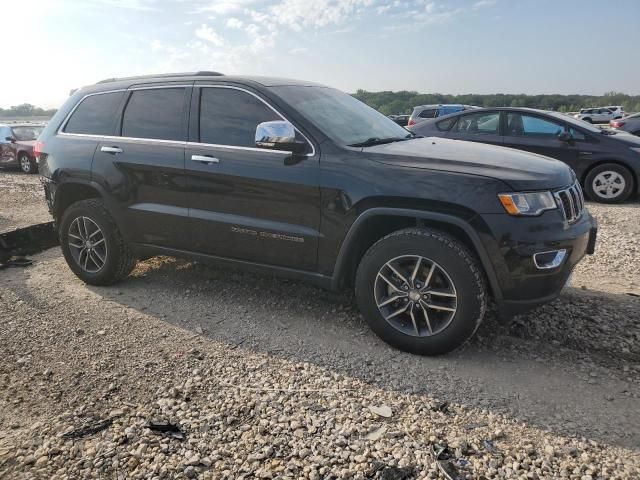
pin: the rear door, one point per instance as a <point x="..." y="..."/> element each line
<point x="483" y="127"/>
<point x="537" y="134"/>
<point x="142" y="166"/>
<point x="247" y="203"/>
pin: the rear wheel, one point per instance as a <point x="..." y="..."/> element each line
<point x="609" y="183"/>
<point x="27" y="164"/>
<point x="92" y="245"/>
<point x="421" y="291"/>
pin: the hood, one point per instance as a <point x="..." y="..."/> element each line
<point x="632" y="141"/>
<point x="28" y="143"/>
<point x="520" y="170"/>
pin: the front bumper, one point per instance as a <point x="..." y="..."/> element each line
<point x="512" y="243"/>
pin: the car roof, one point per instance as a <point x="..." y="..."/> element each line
<point x="127" y="82"/>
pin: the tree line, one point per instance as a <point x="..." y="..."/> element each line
<point x="26" y="110"/>
<point x="402" y="102"/>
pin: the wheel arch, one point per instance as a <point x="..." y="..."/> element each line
<point x="622" y="163"/>
<point x="68" y="193"/>
<point x="375" y="223"/>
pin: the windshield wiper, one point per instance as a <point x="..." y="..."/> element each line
<point x="370" y="142"/>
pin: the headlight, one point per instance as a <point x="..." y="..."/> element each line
<point x="530" y="204"/>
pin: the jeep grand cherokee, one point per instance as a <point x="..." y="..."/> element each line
<point x="304" y="181"/>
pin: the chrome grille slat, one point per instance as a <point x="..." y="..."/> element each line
<point x="571" y="202"/>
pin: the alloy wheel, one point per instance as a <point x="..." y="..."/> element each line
<point x="87" y="244"/>
<point x="415" y="295"/>
<point x="608" y="184"/>
<point x="25" y="163"/>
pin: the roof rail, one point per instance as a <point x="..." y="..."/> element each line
<point x="164" y="75"/>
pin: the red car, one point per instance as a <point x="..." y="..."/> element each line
<point x="16" y="146"/>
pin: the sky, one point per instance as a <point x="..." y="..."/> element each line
<point x="444" y="46"/>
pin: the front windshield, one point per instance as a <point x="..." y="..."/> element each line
<point x="30" y="132"/>
<point x="344" y="119"/>
<point x="575" y="122"/>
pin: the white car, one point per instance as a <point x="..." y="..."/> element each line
<point x="600" y="114"/>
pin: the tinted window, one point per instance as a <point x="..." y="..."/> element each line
<point x="154" y="113"/>
<point x="431" y="113"/>
<point x="30" y="132"/>
<point x="479" y="124"/>
<point x="530" y="126"/>
<point x="577" y="134"/>
<point x="230" y="117"/>
<point x="95" y="114"/>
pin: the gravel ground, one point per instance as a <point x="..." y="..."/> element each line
<point x="276" y="379"/>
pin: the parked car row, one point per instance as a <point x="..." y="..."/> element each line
<point x="606" y="162"/>
<point x="16" y="145"/>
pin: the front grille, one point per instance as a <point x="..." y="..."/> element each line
<point x="571" y="202"/>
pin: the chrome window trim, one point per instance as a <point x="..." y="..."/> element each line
<point x="313" y="149"/>
<point x="100" y="138"/>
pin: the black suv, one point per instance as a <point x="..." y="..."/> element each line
<point x="305" y="181"/>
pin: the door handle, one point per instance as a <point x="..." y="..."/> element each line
<point x="112" y="150"/>
<point x="206" y="159"/>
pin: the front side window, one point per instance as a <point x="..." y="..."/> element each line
<point x="531" y="126"/>
<point x="479" y="124"/>
<point x="230" y="117"/>
<point x="445" y="125"/>
<point x="95" y="115"/>
<point x="154" y="114"/>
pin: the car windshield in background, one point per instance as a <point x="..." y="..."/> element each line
<point x="341" y="117"/>
<point x="26" y="133"/>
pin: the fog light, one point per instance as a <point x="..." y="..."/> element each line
<point x="550" y="259"/>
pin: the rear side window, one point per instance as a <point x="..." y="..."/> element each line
<point x="95" y="115"/>
<point x="479" y="124"/>
<point x="155" y="114"/>
<point x="430" y="113"/>
<point x="230" y="117"/>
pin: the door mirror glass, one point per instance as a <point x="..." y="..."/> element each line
<point x="10" y="139"/>
<point x="278" y="135"/>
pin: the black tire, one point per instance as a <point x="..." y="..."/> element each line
<point x="454" y="259"/>
<point x="624" y="193"/>
<point x="26" y="163"/>
<point x="119" y="260"/>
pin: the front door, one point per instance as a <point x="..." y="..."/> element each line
<point x="539" y="135"/>
<point x="7" y="148"/>
<point x="247" y="203"/>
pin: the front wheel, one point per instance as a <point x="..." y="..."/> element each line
<point x="27" y="164"/>
<point x="421" y="291"/>
<point x="92" y="245"/>
<point x="609" y="183"/>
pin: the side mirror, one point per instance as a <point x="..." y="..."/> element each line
<point x="278" y="135"/>
<point x="565" y="137"/>
<point x="11" y="139"/>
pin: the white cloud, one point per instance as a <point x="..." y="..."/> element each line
<point x="484" y="3"/>
<point x="205" y="32"/>
<point x="234" y="23"/>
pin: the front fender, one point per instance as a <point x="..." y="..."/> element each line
<point x="428" y="217"/>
